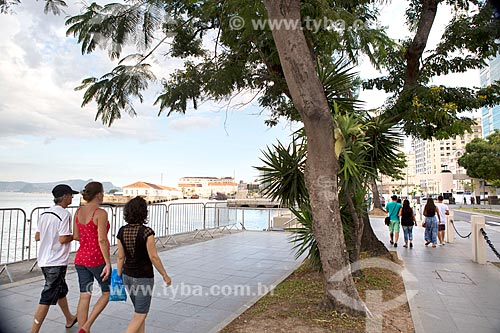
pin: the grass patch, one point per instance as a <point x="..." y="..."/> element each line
<point x="482" y="211"/>
<point x="294" y="306"/>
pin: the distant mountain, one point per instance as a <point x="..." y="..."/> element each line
<point x="25" y="187"/>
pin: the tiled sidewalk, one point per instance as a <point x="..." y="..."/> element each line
<point x="206" y="276"/>
<point x="454" y="294"/>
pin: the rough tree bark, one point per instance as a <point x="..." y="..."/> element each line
<point x="321" y="171"/>
<point x="358" y="228"/>
<point x="376" y="194"/>
<point x="369" y="241"/>
<point x="419" y="42"/>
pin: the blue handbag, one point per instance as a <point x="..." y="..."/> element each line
<point x="117" y="292"/>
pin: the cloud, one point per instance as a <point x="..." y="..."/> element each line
<point x="191" y="123"/>
<point x="39" y="69"/>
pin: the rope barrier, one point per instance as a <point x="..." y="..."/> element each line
<point x="453" y="224"/>
<point x="486" y="238"/>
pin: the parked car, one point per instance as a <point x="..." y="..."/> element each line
<point x="195" y="196"/>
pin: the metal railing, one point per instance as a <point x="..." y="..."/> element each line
<point x="12" y="231"/>
<point x="17" y="241"/>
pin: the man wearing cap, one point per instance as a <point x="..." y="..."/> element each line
<point x="54" y="233"/>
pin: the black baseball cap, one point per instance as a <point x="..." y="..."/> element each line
<point x="61" y="190"/>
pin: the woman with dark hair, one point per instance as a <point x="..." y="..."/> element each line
<point x="92" y="260"/>
<point x="431" y="222"/>
<point x="136" y="256"/>
<point x="407" y="221"/>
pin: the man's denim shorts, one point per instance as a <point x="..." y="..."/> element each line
<point x="55" y="285"/>
<point x="140" y="291"/>
<point x="86" y="277"/>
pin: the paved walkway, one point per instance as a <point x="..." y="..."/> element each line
<point x="209" y="288"/>
<point x="454" y="294"/>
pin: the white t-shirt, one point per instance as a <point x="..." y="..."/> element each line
<point x="442" y="211"/>
<point x="51" y="252"/>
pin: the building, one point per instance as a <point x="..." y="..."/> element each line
<point x="151" y="190"/>
<point x="208" y="186"/>
<point x="403" y="187"/>
<point x="490" y="116"/>
<point x="436" y="162"/>
<point x="247" y="190"/>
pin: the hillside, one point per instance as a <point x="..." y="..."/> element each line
<point x="25" y="187"/>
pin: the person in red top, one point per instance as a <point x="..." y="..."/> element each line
<point x="92" y="260"/>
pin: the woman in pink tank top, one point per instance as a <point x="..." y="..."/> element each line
<point x="92" y="260"/>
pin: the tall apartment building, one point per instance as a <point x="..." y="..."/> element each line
<point x="490" y="116"/>
<point x="404" y="186"/>
<point x="436" y="162"/>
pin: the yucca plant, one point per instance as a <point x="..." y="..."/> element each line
<point x="304" y="239"/>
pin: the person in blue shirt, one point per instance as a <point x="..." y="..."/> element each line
<point x="393" y="208"/>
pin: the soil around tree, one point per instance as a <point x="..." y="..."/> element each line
<point x="378" y="212"/>
<point x="293" y="305"/>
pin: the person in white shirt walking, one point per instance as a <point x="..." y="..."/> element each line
<point x="443" y="211"/>
<point x="54" y="234"/>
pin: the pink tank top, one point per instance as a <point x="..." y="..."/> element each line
<point x="89" y="253"/>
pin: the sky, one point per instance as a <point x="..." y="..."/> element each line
<point x="45" y="134"/>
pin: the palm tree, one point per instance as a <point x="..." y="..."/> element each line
<point x="360" y="156"/>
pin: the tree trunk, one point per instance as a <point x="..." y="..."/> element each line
<point x="369" y="241"/>
<point x="321" y="170"/>
<point x="357" y="230"/>
<point x="376" y="195"/>
<point x="419" y="42"/>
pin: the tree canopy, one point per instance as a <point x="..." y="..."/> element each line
<point x="221" y="60"/>
<point x="482" y="158"/>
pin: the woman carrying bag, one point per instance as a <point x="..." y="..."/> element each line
<point x="431" y="222"/>
<point x="136" y="256"/>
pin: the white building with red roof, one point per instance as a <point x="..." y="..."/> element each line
<point x="151" y="190"/>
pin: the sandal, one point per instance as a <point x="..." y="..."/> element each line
<point x="72" y="324"/>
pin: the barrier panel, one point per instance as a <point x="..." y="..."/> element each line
<point x="12" y="232"/>
<point x="17" y="242"/>
<point x="185" y="217"/>
<point x="220" y="216"/>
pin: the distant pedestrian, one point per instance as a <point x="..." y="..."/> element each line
<point x="393" y="208"/>
<point x="92" y="259"/>
<point x="431" y="214"/>
<point x="54" y="233"/>
<point x="472" y="200"/>
<point x="443" y="211"/>
<point x="136" y="256"/>
<point x="465" y="201"/>
<point x="407" y="222"/>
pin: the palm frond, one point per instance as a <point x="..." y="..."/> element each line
<point x="283" y="174"/>
<point x="338" y="82"/>
<point x="304" y="239"/>
<point x="115" y="25"/>
<point x="113" y="91"/>
<point x="53" y="6"/>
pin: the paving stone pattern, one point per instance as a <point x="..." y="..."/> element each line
<point x="454" y="294"/>
<point x="213" y="282"/>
